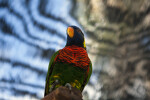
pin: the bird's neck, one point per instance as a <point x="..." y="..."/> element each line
<point x="75" y="44"/>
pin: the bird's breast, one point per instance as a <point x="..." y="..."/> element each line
<point x="74" y="55"/>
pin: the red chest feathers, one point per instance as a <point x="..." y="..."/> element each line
<point x="74" y="55"/>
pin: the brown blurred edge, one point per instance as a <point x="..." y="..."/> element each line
<point x="63" y="93"/>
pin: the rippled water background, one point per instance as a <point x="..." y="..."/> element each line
<point x="30" y="32"/>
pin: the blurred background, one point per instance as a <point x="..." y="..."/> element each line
<point x="117" y="37"/>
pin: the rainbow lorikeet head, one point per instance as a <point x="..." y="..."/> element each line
<point x="75" y="37"/>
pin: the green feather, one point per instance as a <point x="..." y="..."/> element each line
<point x="86" y="80"/>
<point x="90" y="72"/>
<point x="48" y="73"/>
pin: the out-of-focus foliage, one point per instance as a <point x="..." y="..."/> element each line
<point x="119" y="31"/>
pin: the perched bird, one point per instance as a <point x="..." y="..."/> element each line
<point x="71" y="65"/>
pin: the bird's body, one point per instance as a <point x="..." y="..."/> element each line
<point x="69" y="65"/>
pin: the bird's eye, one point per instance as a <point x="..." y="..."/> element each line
<point x="79" y="31"/>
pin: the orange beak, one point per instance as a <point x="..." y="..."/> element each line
<point x="70" y="32"/>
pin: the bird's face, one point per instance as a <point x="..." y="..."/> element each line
<point x="75" y="37"/>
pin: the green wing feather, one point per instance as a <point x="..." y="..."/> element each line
<point x="90" y="72"/>
<point x="88" y="77"/>
<point x="49" y="72"/>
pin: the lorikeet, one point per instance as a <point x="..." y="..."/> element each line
<point x="70" y="65"/>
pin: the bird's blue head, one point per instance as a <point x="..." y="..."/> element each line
<point x="75" y="37"/>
